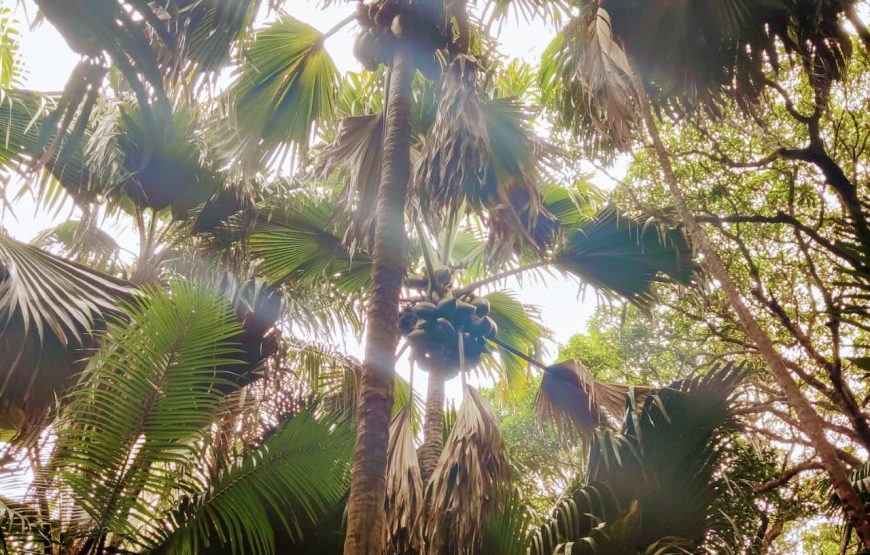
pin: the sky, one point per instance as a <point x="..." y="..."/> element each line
<point x="564" y="306"/>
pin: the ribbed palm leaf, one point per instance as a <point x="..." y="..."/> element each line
<point x="682" y="426"/>
<point x="572" y="399"/>
<point x="287" y="83"/>
<point x="145" y="400"/>
<point x="296" y="245"/>
<point x="49" y="309"/>
<point x="614" y="252"/>
<point x="404" y="494"/>
<point x="292" y="479"/>
<point x="463" y="490"/>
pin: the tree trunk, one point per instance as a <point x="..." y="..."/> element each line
<point x="807" y="416"/>
<point x="433" y="426"/>
<point x="365" y="509"/>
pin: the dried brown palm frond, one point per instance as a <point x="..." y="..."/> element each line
<point x="586" y="76"/>
<point x="357" y="152"/>
<point x="456" y="155"/>
<point x="572" y="399"/>
<point x="465" y="486"/>
<point x="404" y="501"/>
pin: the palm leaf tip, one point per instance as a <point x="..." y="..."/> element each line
<point x="617" y="253"/>
<point x="50" y="308"/>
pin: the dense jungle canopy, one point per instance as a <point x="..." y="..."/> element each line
<point x="269" y="272"/>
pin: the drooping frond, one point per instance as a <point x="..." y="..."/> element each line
<point x="574" y="401"/>
<point x="357" y="152"/>
<point x="82" y="241"/>
<point x="287" y="84"/>
<point x="586" y="78"/>
<point x="481" y="154"/>
<point x="404" y="496"/>
<point x="682" y="426"/>
<point x="471" y="471"/>
<point x="145" y="399"/>
<point x="294" y="478"/>
<point x="616" y="253"/>
<point x="49" y="308"/>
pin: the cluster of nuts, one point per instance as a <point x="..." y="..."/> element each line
<point x="414" y="25"/>
<point x="436" y="331"/>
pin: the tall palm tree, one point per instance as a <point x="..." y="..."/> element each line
<point x="610" y="68"/>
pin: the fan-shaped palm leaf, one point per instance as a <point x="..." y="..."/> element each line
<point x="681" y="426"/>
<point x="82" y="241"/>
<point x="296" y="475"/>
<point x="287" y="84"/>
<point x="405" y="503"/>
<point x="296" y="245"/>
<point x="518" y="326"/>
<point x="144" y="400"/>
<point x="614" y="252"/>
<point x="470" y="473"/>
<point x="49" y="307"/>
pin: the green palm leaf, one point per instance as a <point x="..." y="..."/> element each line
<point x="296" y="246"/>
<point x="616" y="253"/>
<point x="145" y="399"/>
<point x="519" y="327"/>
<point x="296" y="475"/>
<point x="287" y="84"/>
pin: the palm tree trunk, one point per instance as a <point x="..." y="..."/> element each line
<point x="365" y="510"/>
<point x="433" y="426"/>
<point x="807" y="416"/>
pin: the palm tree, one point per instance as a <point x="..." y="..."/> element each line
<point x="610" y="68"/>
<point x="137" y="465"/>
<point x="631" y="500"/>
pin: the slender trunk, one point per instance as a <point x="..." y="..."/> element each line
<point x="433" y="426"/>
<point x="855" y="20"/>
<point x="365" y="512"/>
<point x="808" y="418"/>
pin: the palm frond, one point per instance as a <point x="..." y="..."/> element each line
<point x="572" y="399"/>
<point x="286" y="85"/>
<point x="519" y="326"/>
<point x="405" y="501"/>
<point x="82" y="241"/>
<point x="680" y="426"/>
<point x="297" y="246"/>
<point x="508" y="531"/>
<point x="357" y="152"/>
<point x="11" y="66"/>
<point x="145" y="399"/>
<point x="295" y="477"/>
<point x="616" y="253"/>
<point x="49" y="309"/>
<point x="586" y="77"/>
<point x="471" y="471"/>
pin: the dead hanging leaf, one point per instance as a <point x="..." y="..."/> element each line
<point x="464" y="489"/>
<point x="404" y="495"/>
<point x="587" y="75"/>
<point x="574" y="401"/>
<point x="455" y="158"/>
<point x="357" y="153"/>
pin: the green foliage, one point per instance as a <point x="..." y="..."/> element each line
<point x="292" y="478"/>
<point x="288" y="83"/>
<point x="631" y="473"/>
<point x="143" y="404"/>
